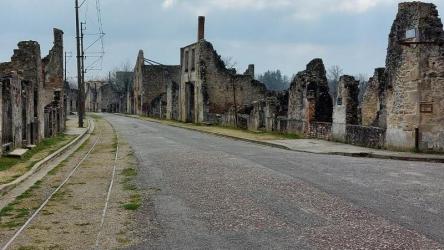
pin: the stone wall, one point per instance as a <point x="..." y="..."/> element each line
<point x="110" y="99"/>
<point x="125" y="79"/>
<point x="346" y="106"/>
<point x="27" y="61"/>
<point x="309" y="98"/>
<point x="172" y="108"/>
<point x="71" y="94"/>
<point x="150" y="83"/>
<point x="415" y="66"/>
<point x="373" y="106"/>
<point x="371" y="137"/>
<point x="213" y="88"/>
<point x="11" y="119"/>
<point x="158" y="107"/>
<point x="92" y="91"/>
<point x="265" y="114"/>
<point x="155" y="81"/>
<point x="53" y="87"/>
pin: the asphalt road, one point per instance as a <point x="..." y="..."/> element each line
<point x="209" y="192"/>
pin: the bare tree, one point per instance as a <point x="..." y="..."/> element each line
<point x="333" y="75"/>
<point x="363" y="83"/>
<point x="121" y="84"/>
<point x="229" y="62"/>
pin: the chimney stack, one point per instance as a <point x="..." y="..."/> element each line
<point x="201" y="29"/>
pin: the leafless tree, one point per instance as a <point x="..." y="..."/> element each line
<point x="229" y="62"/>
<point x="121" y="83"/>
<point x="363" y="83"/>
<point x="333" y="75"/>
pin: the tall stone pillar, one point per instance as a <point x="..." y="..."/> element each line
<point x="345" y="111"/>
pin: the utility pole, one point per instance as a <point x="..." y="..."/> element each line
<point x="235" y="102"/>
<point x="66" y="56"/>
<point x="82" y="52"/>
<point x="80" y="83"/>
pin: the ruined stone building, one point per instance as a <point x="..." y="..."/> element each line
<point x="269" y="114"/>
<point x="110" y="99"/>
<point x="207" y="88"/>
<point x="309" y="100"/>
<point x="415" y="72"/>
<point x="402" y="107"/>
<point x="71" y="95"/>
<point x="405" y="98"/>
<point x="31" y="95"/>
<point x="150" y="86"/>
<point x="92" y="102"/>
<point x="53" y="88"/>
<point x="125" y="81"/>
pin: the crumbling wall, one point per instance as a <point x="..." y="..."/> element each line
<point x="266" y="114"/>
<point x="109" y="99"/>
<point x="154" y="84"/>
<point x="415" y="66"/>
<point x="215" y="89"/>
<point x="71" y="94"/>
<point x="223" y="87"/>
<point x="27" y="61"/>
<point x="136" y="91"/>
<point x="346" y="106"/>
<point x="53" y="87"/>
<point x="92" y="100"/>
<point x="373" y="106"/>
<point x="125" y="79"/>
<point x="11" y="118"/>
<point x="309" y="98"/>
<point x="172" y="108"/>
<point x="158" y="106"/>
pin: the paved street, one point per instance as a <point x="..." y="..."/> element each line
<point x="204" y="191"/>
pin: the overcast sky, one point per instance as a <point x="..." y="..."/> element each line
<point x="272" y="34"/>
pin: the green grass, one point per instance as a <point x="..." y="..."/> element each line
<point x="134" y="203"/>
<point x="8" y="162"/>
<point x="7" y="211"/>
<point x="129" y="172"/>
<point x="22" y="213"/>
<point x="28" y="193"/>
<point x="27" y="248"/>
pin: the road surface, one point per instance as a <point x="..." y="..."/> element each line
<point x="213" y="192"/>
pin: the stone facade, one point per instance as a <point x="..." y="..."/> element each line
<point x="71" y="94"/>
<point x="415" y="71"/>
<point x="402" y="107"/>
<point x="13" y="122"/>
<point x="150" y="84"/>
<point x="373" y="106"/>
<point x="29" y="85"/>
<point x="309" y="98"/>
<point x="53" y="88"/>
<point x="26" y="61"/>
<point x="208" y="89"/>
<point x="92" y="102"/>
<point x="266" y="114"/>
<point x="172" y="100"/>
<point x="110" y="99"/>
<point x="125" y="80"/>
<point x="346" y="106"/>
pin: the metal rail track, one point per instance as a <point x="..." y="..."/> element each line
<point x="73" y="171"/>
<point x="105" y="208"/>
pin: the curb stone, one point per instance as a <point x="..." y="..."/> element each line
<point x="355" y="155"/>
<point x="9" y="186"/>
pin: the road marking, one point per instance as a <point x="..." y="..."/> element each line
<point x="49" y="198"/>
<point x="108" y="195"/>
